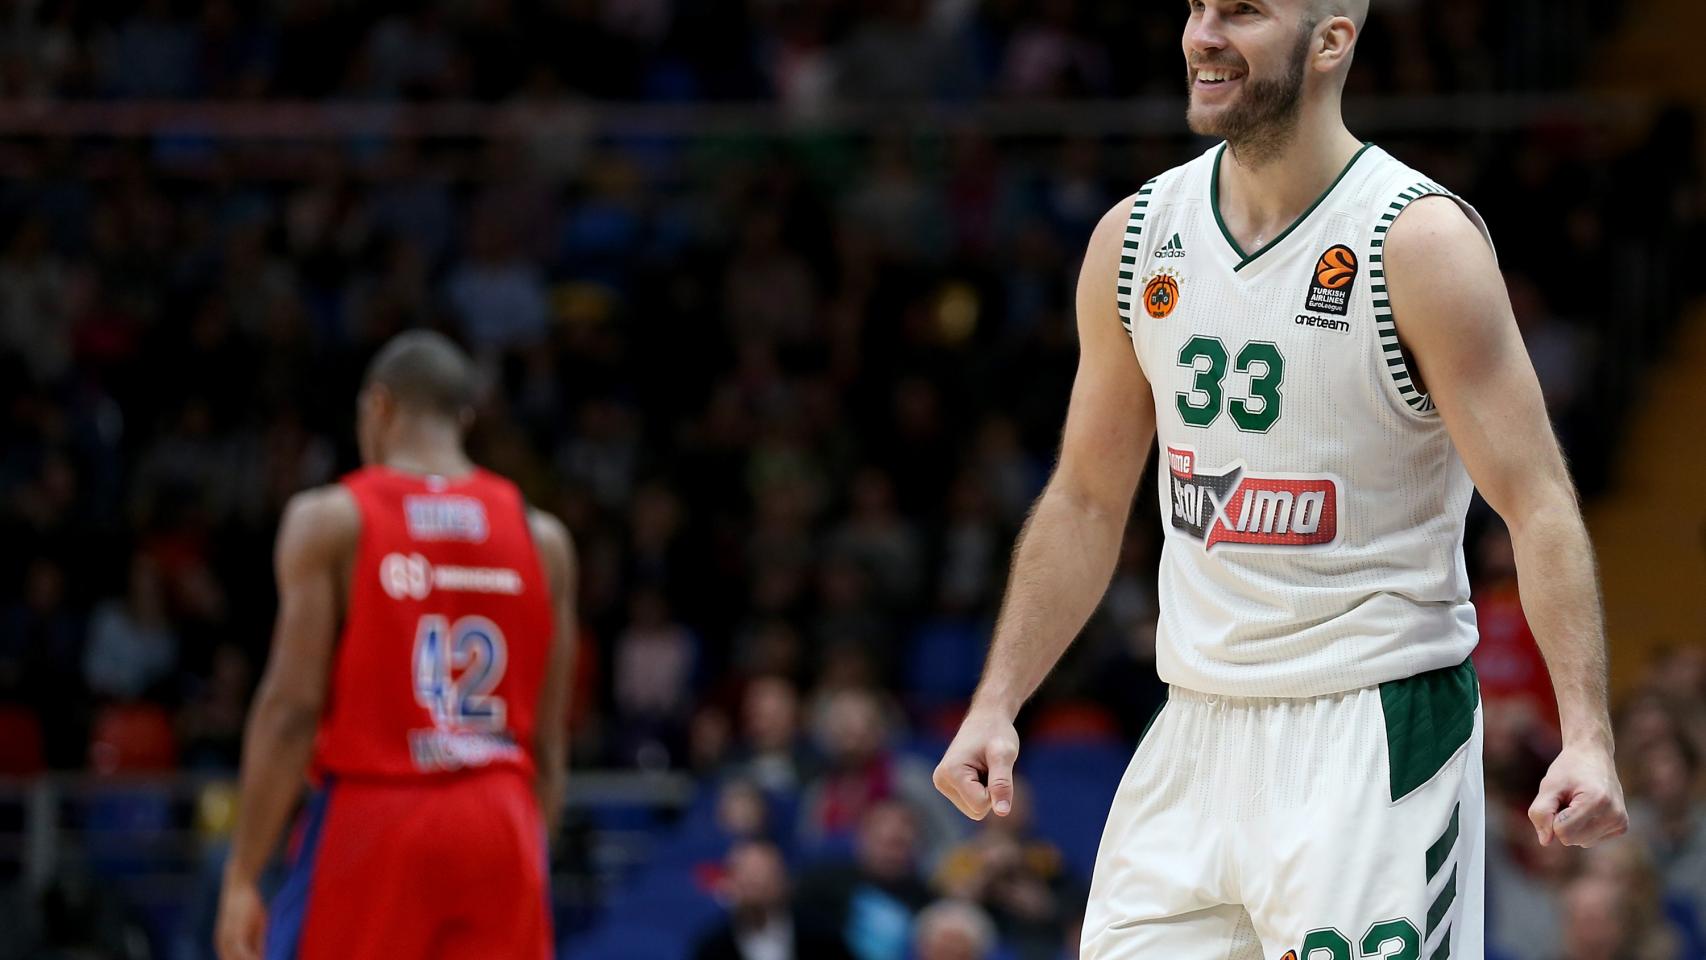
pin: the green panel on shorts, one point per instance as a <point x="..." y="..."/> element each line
<point x="1428" y="717"/>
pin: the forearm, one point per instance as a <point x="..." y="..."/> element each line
<point x="1061" y="567"/>
<point x="551" y="785"/>
<point x="276" y="749"/>
<point x="1560" y="598"/>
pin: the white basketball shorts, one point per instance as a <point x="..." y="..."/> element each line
<point x="1340" y="827"/>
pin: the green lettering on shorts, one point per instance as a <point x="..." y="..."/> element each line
<point x="1400" y="934"/>
<point x="1387" y="940"/>
<point x="1428" y="717"/>
<point x="1325" y="941"/>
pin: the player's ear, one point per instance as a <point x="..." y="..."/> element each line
<point x="1333" y="45"/>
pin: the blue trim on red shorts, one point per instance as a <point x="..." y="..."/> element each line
<point x="289" y="911"/>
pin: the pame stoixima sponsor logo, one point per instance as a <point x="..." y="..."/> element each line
<point x="1233" y="506"/>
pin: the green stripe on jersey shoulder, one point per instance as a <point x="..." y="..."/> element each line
<point x="1123" y="291"/>
<point x="1428" y="718"/>
<point x="1416" y="400"/>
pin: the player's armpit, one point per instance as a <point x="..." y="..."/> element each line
<point x="1454" y="319"/>
<point x="557" y="556"/>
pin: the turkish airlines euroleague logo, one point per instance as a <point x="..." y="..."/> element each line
<point x="1330" y="287"/>
<point x="1233" y="506"/>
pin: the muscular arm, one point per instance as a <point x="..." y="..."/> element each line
<point x="1455" y="318"/>
<point x="316" y="542"/>
<point x="556" y="555"/>
<point x="1066" y="554"/>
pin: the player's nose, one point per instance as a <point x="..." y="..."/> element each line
<point x="1204" y="34"/>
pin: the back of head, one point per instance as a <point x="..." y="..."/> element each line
<point x="426" y="373"/>
<point x="953" y="930"/>
<point x="1316" y="11"/>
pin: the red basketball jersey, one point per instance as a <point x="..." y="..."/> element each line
<point x="444" y="645"/>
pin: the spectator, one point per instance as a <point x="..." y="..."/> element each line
<point x="1018" y="878"/>
<point x="41" y="662"/>
<point x="1605" y="919"/>
<point x="211" y="723"/>
<point x="499" y="297"/>
<point x="762" y="924"/>
<point x="132" y="647"/>
<point x="1663" y="925"/>
<point x="862" y="773"/>
<point x="773" y="751"/>
<point x="1525" y="917"/>
<point x="871" y="900"/>
<point x="655" y="660"/>
<point x="880" y="541"/>
<point x="953" y="930"/>
<point x="1668" y="817"/>
<point x="34" y="299"/>
<point x="898" y="55"/>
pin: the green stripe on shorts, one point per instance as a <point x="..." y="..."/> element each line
<point x="1443" y="951"/>
<point x="1442" y="903"/>
<point x="1441" y="848"/>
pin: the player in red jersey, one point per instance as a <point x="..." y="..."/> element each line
<point x="432" y="726"/>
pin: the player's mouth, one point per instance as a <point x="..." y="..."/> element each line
<point x="1216" y="79"/>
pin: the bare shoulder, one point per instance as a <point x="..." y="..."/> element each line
<point x="1102" y="264"/>
<point x="556" y="548"/>
<point x="1434" y="232"/>
<point x="1448" y="299"/>
<point x="1105" y="239"/>
<point x="321" y="519"/>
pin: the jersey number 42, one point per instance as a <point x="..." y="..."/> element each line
<point x="457" y="666"/>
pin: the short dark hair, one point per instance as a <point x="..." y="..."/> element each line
<point x="426" y="371"/>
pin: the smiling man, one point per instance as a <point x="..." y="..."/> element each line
<point x="1320" y="337"/>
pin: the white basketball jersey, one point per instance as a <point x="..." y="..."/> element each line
<point x="1312" y="500"/>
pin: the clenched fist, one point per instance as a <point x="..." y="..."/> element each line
<point x="1580" y="801"/>
<point x="977" y="771"/>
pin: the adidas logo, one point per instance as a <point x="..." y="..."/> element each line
<point x="1170" y="249"/>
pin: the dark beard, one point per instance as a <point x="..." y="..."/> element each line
<point x="1258" y="126"/>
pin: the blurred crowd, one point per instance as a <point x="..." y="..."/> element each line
<point x="793" y="397"/>
<point x="803" y="53"/>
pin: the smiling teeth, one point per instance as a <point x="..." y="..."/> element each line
<point x="1212" y="75"/>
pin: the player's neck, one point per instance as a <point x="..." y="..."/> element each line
<point x="453" y="466"/>
<point x="427" y="448"/>
<point x="1262" y="195"/>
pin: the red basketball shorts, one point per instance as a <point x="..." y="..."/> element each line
<point x="452" y="867"/>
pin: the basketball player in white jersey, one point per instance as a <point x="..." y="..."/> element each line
<point x="1321" y="340"/>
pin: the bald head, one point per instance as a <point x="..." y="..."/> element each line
<point x="425" y="372"/>
<point x="1354" y="10"/>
